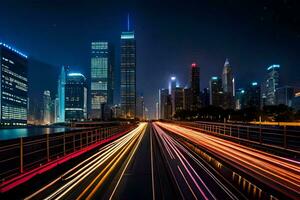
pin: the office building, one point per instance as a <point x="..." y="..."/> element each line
<point x="240" y="99"/>
<point x="188" y="99"/>
<point x="228" y="85"/>
<point x="296" y="102"/>
<point x="284" y="95"/>
<point x="177" y="100"/>
<point x="252" y="95"/>
<point x="140" y="107"/>
<point x="46" y="107"/>
<point x="13" y="87"/>
<point x="271" y="84"/>
<point x="195" y="86"/>
<point x="172" y="84"/>
<point x="102" y="65"/>
<point x="75" y="97"/>
<point x="204" y="97"/>
<point x="165" y="104"/>
<point x="216" y="91"/>
<point x="128" y="74"/>
<point x="61" y="94"/>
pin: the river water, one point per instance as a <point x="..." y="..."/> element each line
<point x="12" y="133"/>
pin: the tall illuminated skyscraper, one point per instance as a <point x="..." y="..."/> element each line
<point x="271" y="84"/>
<point x="61" y="94"/>
<point x="102" y="65"/>
<point x="228" y="85"/>
<point x="128" y="73"/>
<point x="13" y="86"/>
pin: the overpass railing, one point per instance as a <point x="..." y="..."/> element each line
<point x="24" y="154"/>
<point x="285" y="137"/>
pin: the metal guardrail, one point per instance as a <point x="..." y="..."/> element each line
<point x="285" y="137"/>
<point x="20" y="155"/>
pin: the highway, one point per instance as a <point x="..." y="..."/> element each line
<point x="154" y="161"/>
<point x="281" y="174"/>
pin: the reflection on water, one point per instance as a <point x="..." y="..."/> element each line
<point x="12" y="133"/>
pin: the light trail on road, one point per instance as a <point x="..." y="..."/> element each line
<point x="96" y="166"/>
<point x="188" y="171"/>
<point x="277" y="172"/>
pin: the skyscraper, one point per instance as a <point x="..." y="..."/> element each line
<point x="46" y="107"/>
<point x="216" y="91"/>
<point x="195" y="86"/>
<point x="252" y="95"/>
<point x="188" y="99"/>
<point x="76" y="97"/>
<point x="172" y="84"/>
<point x="271" y="84"/>
<point x="128" y="74"/>
<point x="177" y="100"/>
<point x="285" y="95"/>
<point x="61" y="94"/>
<point x="13" y="86"/>
<point x="140" y="107"/>
<point x="102" y="65"/>
<point x="205" y="97"/>
<point x="228" y="85"/>
<point x="240" y="99"/>
<point x="165" y="104"/>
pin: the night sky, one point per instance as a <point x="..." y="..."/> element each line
<point x="170" y="36"/>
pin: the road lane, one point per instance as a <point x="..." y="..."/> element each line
<point x="279" y="173"/>
<point x="195" y="180"/>
<point x="86" y="175"/>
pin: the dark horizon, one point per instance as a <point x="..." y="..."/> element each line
<point x="170" y="36"/>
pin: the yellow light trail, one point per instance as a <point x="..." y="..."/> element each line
<point x="77" y="174"/>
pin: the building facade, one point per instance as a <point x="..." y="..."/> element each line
<point x="240" y="99"/>
<point x="46" y="107"/>
<point x="140" y="107"/>
<point x="13" y="87"/>
<point x="228" y="85"/>
<point x="128" y="74"/>
<point x="195" y="86"/>
<point x="102" y="65"/>
<point x="188" y="99"/>
<point x="252" y="95"/>
<point x="204" y="97"/>
<point x="216" y="91"/>
<point x="165" y="104"/>
<point x="75" y="97"/>
<point x="271" y="84"/>
<point x="60" y="117"/>
<point x="177" y="100"/>
<point x="284" y="95"/>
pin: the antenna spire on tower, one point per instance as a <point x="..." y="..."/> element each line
<point x="128" y="22"/>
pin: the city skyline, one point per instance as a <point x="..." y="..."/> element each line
<point x="249" y="60"/>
